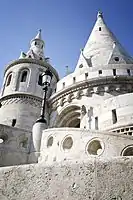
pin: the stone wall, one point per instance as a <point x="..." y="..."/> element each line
<point x="96" y="179"/>
<point x="67" y="144"/>
<point x="14" y="146"/>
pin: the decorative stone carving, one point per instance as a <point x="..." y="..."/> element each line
<point x="78" y="94"/>
<point x="23" y="99"/>
<point x="83" y="110"/>
<point x="61" y="102"/>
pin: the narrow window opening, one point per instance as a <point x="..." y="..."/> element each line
<point x="40" y="80"/>
<point x="63" y="84"/>
<point x="114" y="72"/>
<point x="114" y="116"/>
<point x="128" y="72"/>
<point x="74" y="79"/>
<point x="0" y="105"/>
<point x="96" y="123"/>
<point x="86" y="75"/>
<point x="100" y="71"/>
<point x="29" y="56"/>
<point x="9" y="79"/>
<point x="24" y="76"/>
<point x="13" y="122"/>
<point x="80" y="66"/>
<point x="100" y="29"/>
<point x="35" y="43"/>
<point x="40" y="58"/>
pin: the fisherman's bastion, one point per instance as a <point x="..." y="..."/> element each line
<point x="69" y="138"/>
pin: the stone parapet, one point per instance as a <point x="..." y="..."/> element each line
<point x="60" y="144"/>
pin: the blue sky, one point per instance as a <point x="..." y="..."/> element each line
<point x="65" y="24"/>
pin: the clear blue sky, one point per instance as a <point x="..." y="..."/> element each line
<point x="65" y="24"/>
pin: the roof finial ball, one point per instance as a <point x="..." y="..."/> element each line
<point x="99" y="14"/>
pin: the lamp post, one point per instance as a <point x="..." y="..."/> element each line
<point x="41" y="123"/>
<point x="46" y="80"/>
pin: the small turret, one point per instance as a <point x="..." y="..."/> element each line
<point x="37" y="46"/>
<point x="22" y="55"/>
<point x="22" y="87"/>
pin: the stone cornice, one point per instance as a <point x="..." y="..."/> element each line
<point x="22" y="99"/>
<point x="20" y="95"/>
<point x="90" y="83"/>
<point x="33" y="61"/>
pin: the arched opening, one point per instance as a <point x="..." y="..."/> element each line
<point x="67" y="143"/>
<point x="23" y="76"/>
<point x="9" y="78"/>
<point x="50" y="141"/>
<point x="69" y="117"/>
<point x="128" y="151"/>
<point x="95" y="147"/>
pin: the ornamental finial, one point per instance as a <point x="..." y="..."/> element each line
<point x="99" y="14"/>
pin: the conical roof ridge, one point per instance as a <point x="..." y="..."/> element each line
<point x="100" y="46"/>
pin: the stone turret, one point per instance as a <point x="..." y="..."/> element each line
<point x="37" y="46"/>
<point x="103" y="74"/>
<point x="92" y="110"/>
<point x="22" y="92"/>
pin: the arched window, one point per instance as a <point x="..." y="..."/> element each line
<point x="23" y="76"/>
<point x="8" y="81"/>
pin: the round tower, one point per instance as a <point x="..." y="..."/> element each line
<point x="21" y="94"/>
<point x="92" y="109"/>
<point x="95" y="95"/>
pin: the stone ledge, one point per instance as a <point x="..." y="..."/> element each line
<point x="97" y="179"/>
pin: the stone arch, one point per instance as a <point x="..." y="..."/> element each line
<point x="39" y="77"/>
<point x="8" y="79"/>
<point x="69" y="117"/>
<point x="7" y="82"/>
<point x="23" y="77"/>
<point x="127" y="151"/>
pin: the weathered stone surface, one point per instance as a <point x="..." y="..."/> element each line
<point x="96" y="179"/>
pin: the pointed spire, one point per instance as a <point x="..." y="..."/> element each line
<point x="39" y="35"/>
<point x="100" y="46"/>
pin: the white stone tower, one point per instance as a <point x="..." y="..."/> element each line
<point x="86" y="151"/>
<point x="103" y="73"/>
<point x="92" y="109"/>
<point x="21" y="93"/>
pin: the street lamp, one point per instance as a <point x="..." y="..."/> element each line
<point x="46" y="80"/>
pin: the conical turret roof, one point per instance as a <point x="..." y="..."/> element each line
<point x="102" y="47"/>
<point x="39" y="35"/>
